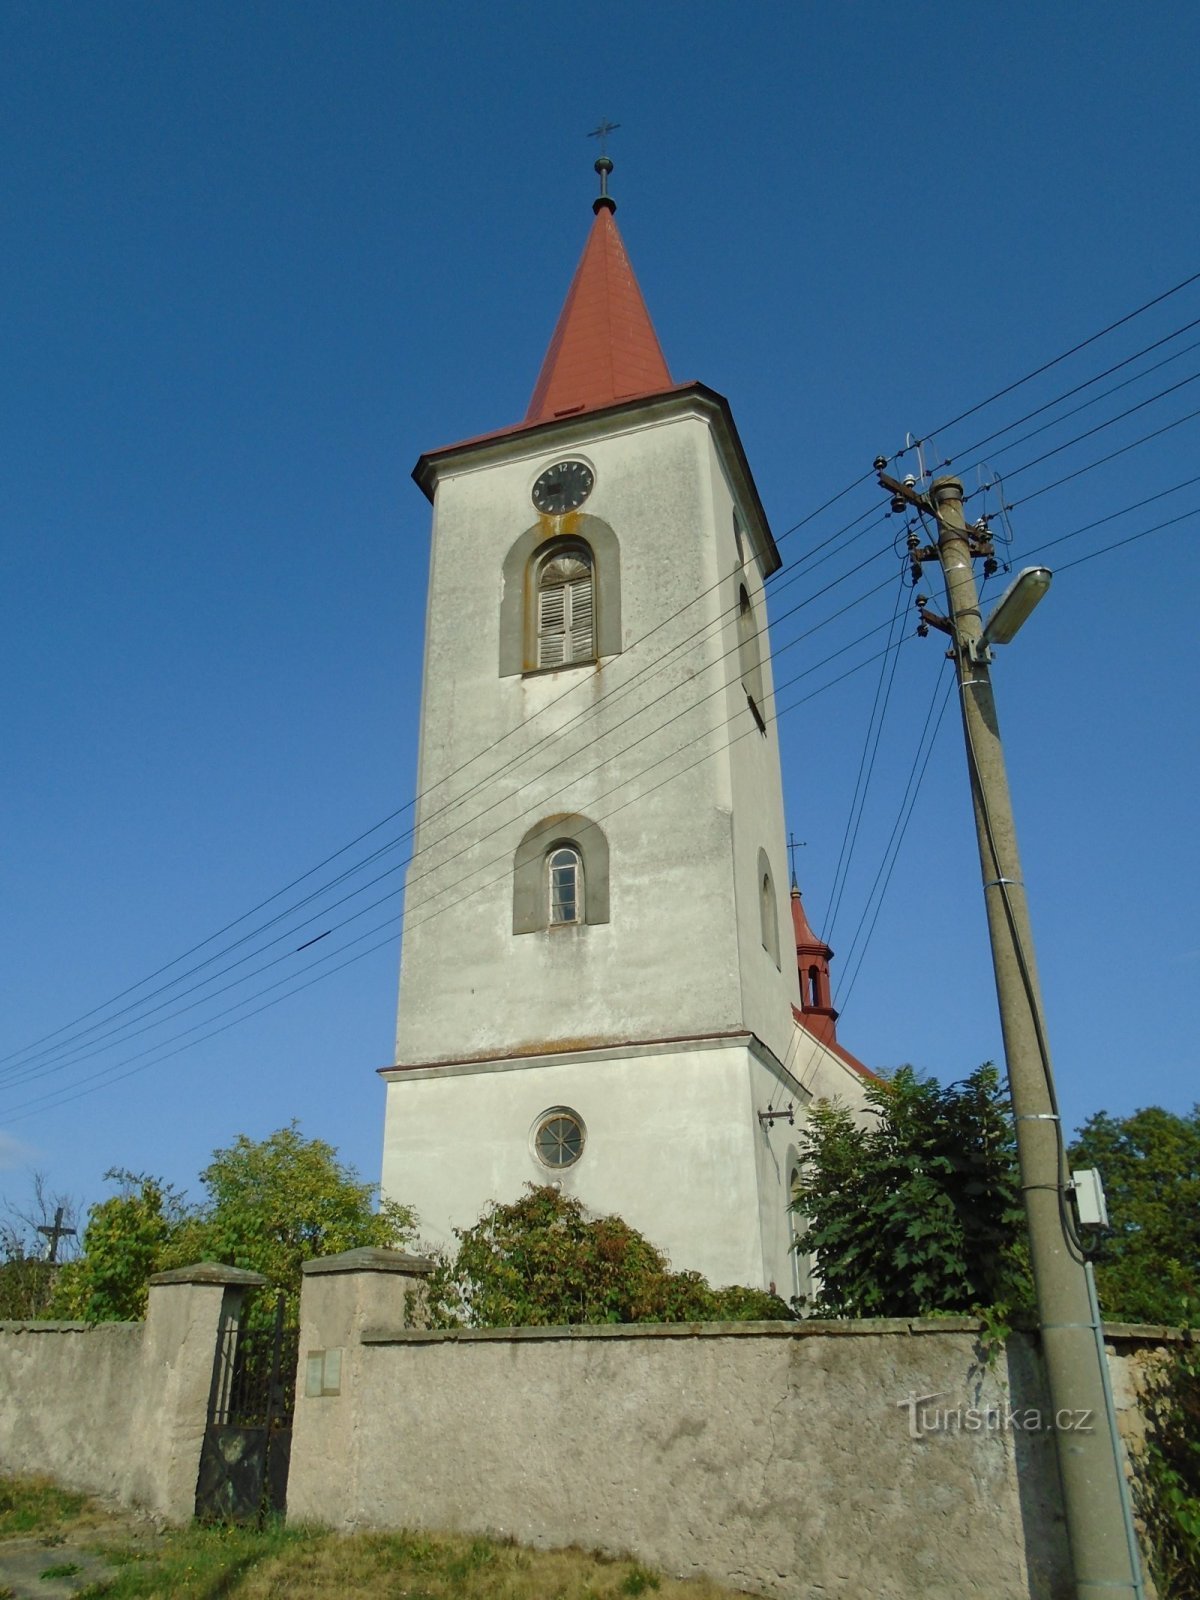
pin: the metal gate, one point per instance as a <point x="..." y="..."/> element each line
<point x="248" y="1438"/>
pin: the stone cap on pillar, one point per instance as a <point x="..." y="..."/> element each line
<point x="370" y="1258"/>
<point x="211" y="1272"/>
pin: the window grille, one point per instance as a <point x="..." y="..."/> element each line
<point x="559" y="1138"/>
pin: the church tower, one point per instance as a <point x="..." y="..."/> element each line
<point x="597" y="987"/>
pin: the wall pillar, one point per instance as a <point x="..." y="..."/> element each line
<point x="189" y="1309"/>
<point x="341" y="1297"/>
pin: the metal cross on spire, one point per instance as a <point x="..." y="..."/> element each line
<point x="604" y="201"/>
<point x="602" y="132"/>
<point x="794" y="844"/>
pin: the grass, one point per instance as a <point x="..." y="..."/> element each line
<point x="278" y="1562"/>
<point x="36" y="1505"/>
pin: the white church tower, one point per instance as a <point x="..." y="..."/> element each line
<point x="598" y="984"/>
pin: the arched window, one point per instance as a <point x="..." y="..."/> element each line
<point x="749" y="657"/>
<point x="560" y="875"/>
<point x="566" y="608"/>
<point x="767" y="910"/>
<point x="530" y="561"/>
<point x="564" y="880"/>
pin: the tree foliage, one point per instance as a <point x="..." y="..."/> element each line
<point x="1167" y="1476"/>
<point x="1148" y="1268"/>
<point x="124" y="1242"/>
<point x="917" y="1211"/>
<point x="273" y="1204"/>
<point x="27" y="1277"/>
<point x="543" y="1261"/>
<point x="269" y="1205"/>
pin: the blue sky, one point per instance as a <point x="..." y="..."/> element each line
<point x="260" y="256"/>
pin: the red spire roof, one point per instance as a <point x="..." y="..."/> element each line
<point x="807" y="942"/>
<point x="604" y="348"/>
<point x="816" y="1012"/>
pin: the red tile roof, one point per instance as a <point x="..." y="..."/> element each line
<point x="604" y="348"/>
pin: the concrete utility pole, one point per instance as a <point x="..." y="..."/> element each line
<point x="1089" y="1466"/>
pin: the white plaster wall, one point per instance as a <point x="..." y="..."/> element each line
<point x="670" y="1147"/>
<point x="687" y="790"/>
<point x="756" y="786"/>
<point x="669" y="961"/>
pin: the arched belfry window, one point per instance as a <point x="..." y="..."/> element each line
<point x="560" y="875"/>
<point x="566" y="607"/>
<point x="564" y="881"/>
<point x="560" y="598"/>
<point x="749" y="656"/>
<point x="768" y="911"/>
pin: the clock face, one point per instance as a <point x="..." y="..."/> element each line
<point x="562" y="487"/>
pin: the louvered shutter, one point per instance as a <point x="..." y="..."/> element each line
<point x="566" y="610"/>
<point x="582" y="631"/>
<point x="552" y="633"/>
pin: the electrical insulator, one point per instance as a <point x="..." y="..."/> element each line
<point x="990" y="566"/>
<point x="881" y="463"/>
<point x="922" y="630"/>
<point x="917" y="570"/>
<point x="899" y="503"/>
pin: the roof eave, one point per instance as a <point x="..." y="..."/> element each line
<point x="429" y="465"/>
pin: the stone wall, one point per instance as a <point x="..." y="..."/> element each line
<point x="118" y="1410"/>
<point x="786" y="1459"/>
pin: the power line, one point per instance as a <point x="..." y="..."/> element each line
<point x="1104" y="394"/>
<point x="21" y="1071"/>
<point x="104" y="1006"/>
<point x="1103" y="461"/>
<point x="1047" y="365"/>
<point x="1132" y="539"/>
<point x="33" y="1056"/>
<point x="105" y="1076"/>
<point x="1100" y="426"/>
<point x="862" y="779"/>
<point x="448" y="778"/>
<point x="1068" y="394"/>
<point x="908" y="801"/>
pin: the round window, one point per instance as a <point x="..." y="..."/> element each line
<point x="558" y="1138"/>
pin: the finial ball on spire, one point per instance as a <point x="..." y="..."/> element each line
<point x="604" y="201"/>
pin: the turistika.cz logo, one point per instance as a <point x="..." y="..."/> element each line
<point x="924" y="1418"/>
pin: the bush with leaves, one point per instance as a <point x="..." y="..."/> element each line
<point x="1167" y="1474"/>
<point x="542" y="1261"/>
<point x="270" y="1205"/>
<point x="918" y="1211"/>
<point x="1148" y="1267"/>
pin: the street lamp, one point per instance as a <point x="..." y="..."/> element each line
<point x="1015" y="605"/>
